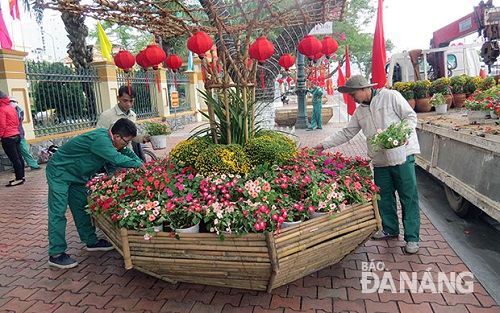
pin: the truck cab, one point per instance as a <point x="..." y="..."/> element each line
<point x="429" y="64"/>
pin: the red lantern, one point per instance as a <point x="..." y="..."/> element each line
<point x="154" y="55"/>
<point x="261" y="50"/>
<point x="124" y="60"/>
<point x="317" y="56"/>
<point x="200" y="43"/>
<point x="173" y="62"/>
<point x="309" y="46"/>
<point x="141" y="60"/>
<point x="329" y="46"/>
<point x="286" y="61"/>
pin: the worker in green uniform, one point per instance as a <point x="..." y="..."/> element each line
<point x="317" y="103"/>
<point x="68" y="171"/>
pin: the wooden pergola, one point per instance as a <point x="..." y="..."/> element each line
<point x="234" y="24"/>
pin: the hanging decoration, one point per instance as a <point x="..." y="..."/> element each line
<point x="154" y="56"/>
<point x="174" y="62"/>
<point x="309" y="46"/>
<point x="288" y="80"/>
<point x="286" y="61"/>
<point x="280" y="81"/>
<point x="200" y="43"/>
<point x="261" y="50"/>
<point x="125" y="61"/>
<point x="329" y="46"/>
<point x="141" y="61"/>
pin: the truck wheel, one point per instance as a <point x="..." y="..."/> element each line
<point x="461" y="206"/>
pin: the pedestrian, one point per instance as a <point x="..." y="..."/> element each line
<point x="68" y="171"/>
<point x="317" y="103"/>
<point x="11" y="138"/>
<point x="378" y="109"/>
<point x="126" y="98"/>
<point x="28" y="158"/>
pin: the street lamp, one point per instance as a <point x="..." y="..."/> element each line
<point x="53" y="43"/>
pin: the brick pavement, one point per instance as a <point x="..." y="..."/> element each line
<point x="101" y="284"/>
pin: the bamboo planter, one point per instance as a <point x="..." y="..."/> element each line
<point x="254" y="261"/>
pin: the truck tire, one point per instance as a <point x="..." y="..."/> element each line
<point x="461" y="206"/>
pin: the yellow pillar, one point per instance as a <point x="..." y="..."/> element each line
<point x="162" y="94"/>
<point x="196" y="84"/>
<point x="13" y="82"/>
<point x="108" y="86"/>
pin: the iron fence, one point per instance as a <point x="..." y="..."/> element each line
<point x="62" y="98"/>
<point x="180" y="83"/>
<point x="144" y="84"/>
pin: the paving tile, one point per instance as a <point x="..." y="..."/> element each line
<point x="349" y="306"/>
<point x="290" y="302"/>
<point x="412" y="308"/>
<point x="378" y="307"/>
<point x="222" y="299"/>
<point x="438" y="308"/>
<point x="317" y="304"/>
<point x="262" y="300"/>
<point x="121" y="302"/>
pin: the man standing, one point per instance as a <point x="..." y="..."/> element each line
<point x="378" y="110"/>
<point x="28" y="158"/>
<point x="126" y="98"/>
<point x="69" y="170"/>
<point x="317" y="103"/>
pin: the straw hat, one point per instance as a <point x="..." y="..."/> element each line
<point x="354" y="83"/>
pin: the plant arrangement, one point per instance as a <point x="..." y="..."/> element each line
<point x="396" y="135"/>
<point x="406" y="89"/>
<point x="421" y="88"/>
<point x="472" y="84"/>
<point x="488" y="83"/>
<point x="437" y="99"/>
<point x="440" y="85"/>
<point x="457" y="84"/>
<point x="156" y="128"/>
<point x="483" y="100"/>
<point x="259" y="201"/>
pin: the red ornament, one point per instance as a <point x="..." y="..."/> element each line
<point x="173" y="62"/>
<point x="124" y="60"/>
<point x="286" y="61"/>
<point x="288" y="79"/>
<point x="154" y="55"/>
<point x="280" y="81"/>
<point x="261" y="50"/>
<point x="309" y="46"/>
<point x="329" y="46"/>
<point x="317" y="56"/>
<point x="141" y="60"/>
<point x="200" y="43"/>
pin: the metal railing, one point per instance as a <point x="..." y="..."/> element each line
<point x="182" y="88"/>
<point x="62" y="98"/>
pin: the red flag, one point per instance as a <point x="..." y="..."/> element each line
<point x="347" y="63"/>
<point x="14" y="9"/>
<point x="5" y="41"/>
<point x="378" y="52"/>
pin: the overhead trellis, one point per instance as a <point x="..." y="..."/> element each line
<point x="232" y="23"/>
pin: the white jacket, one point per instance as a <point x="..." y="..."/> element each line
<point x="386" y="107"/>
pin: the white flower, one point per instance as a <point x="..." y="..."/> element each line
<point x="396" y="143"/>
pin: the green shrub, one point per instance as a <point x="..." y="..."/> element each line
<point x="457" y="83"/>
<point x="186" y="151"/>
<point x="271" y="148"/>
<point x="222" y="159"/>
<point x="472" y="84"/>
<point x="487" y="83"/>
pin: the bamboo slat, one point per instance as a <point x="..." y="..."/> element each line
<point x="254" y="261"/>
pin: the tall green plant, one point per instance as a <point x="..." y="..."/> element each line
<point x="241" y="117"/>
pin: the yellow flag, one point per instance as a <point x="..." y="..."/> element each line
<point x="104" y="43"/>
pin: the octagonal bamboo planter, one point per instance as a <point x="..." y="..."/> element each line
<point x="254" y="261"/>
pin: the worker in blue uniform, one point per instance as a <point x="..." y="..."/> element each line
<point x="317" y="103"/>
<point x="69" y="170"/>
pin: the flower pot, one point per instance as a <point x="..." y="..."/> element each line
<point x="190" y="230"/>
<point x="476" y="117"/>
<point x="449" y="100"/>
<point x="158" y="142"/>
<point x="157" y="229"/>
<point x="411" y="102"/>
<point x="423" y="105"/>
<point x="493" y="115"/>
<point x="459" y="100"/>
<point x="395" y="156"/>
<point x="441" y="109"/>
<point x="290" y="224"/>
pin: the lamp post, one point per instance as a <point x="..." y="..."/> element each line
<point x="53" y="44"/>
<point x="301" y="93"/>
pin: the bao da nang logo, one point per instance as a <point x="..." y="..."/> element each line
<point x="376" y="278"/>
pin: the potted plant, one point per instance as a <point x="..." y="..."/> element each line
<point x="439" y="103"/>
<point x="406" y="90"/>
<point x="392" y="141"/>
<point x="457" y="84"/>
<point x="442" y="86"/>
<point x="472" y="84"/>
<point x="421" y="90"/>
<point x="480" y="103"/>
<point x="487" y="83"/>
<point x="158" y="132"/>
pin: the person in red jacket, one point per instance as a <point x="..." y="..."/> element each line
<point x="11" y="138"/>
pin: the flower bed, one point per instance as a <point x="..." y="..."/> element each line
<point x="242" y="214"/>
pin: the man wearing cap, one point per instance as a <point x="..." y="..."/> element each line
<point x="32" y="163"/>
<point x="378" y="109"/>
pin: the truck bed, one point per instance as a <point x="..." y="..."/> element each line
<point x="464" y="157"/>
